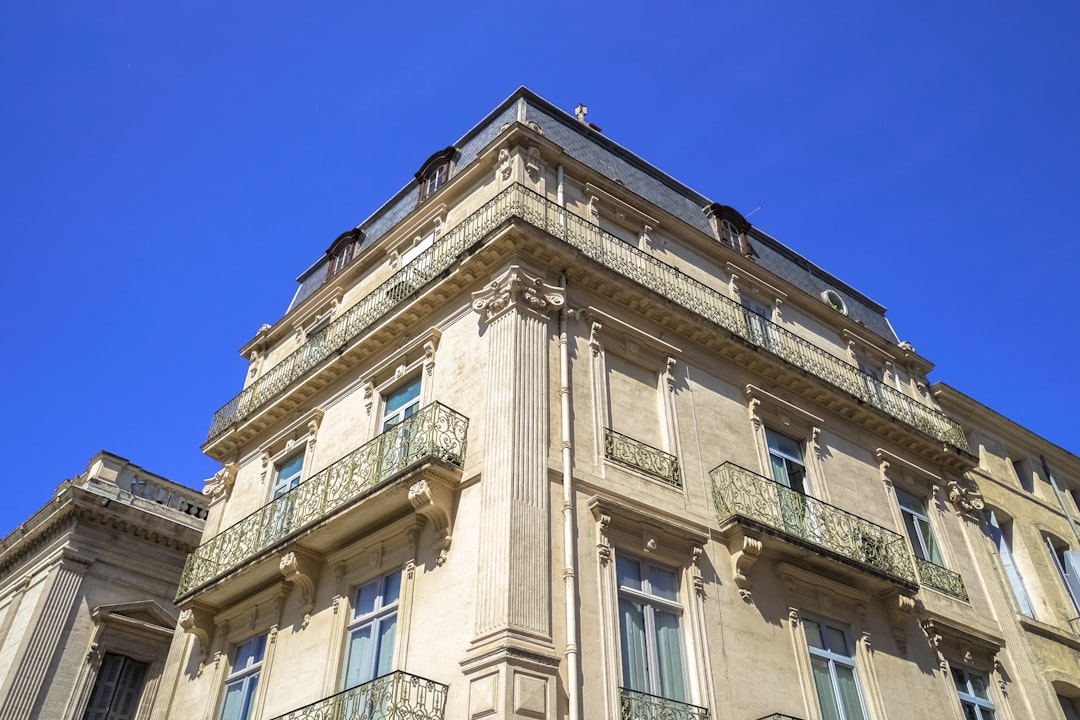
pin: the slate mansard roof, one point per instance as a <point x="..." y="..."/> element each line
<point x="606" y="157"/>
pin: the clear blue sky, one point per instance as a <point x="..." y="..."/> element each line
<point x="168" y="169"/>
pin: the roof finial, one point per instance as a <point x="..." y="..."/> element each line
<point x="581" y="111"/>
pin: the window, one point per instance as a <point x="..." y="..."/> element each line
<point x="418" y="247"/>
<point x="401" y="403"/>
<point x="287" y="474"/>
<point x="1067" y="563"/>
<point x="243" y="679"/>
<point x="1024" y="475"/>
<point x="372" y="629"/>
<point x="117" y="689"/>
<point x="917" y="523"/>
<point x="1001" y="535"/>
<point x="341" y="259"/>
<point x="786" y="456"/>
<point x="833" y="663"/>
<point x="1069" y="707"/>
<point x="759" y="323"/>
<point x="730" y="234"/>
<point x="974" y="699"/>
<point x="650" y="638"/>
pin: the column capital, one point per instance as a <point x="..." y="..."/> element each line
<point x="517" y="289"/>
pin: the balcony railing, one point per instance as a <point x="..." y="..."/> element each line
<point x="643" y="457"/>
<point x="940" y="578"/>
<point x="435" y="432"/>
<point x="636" y="705"/>
<point x="396" y="696"/>
<point x="740" y="492"/>
<point x="613" y="253"/>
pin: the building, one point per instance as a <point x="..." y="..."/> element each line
<point x="551" y="435"/>
<point x="86" y="594"/>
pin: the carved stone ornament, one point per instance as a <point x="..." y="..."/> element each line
<point x="603" y="545"/>
<point x="695" y="570"/>
<point x="533" y="164"/>
<point x="221" y="485"/>
<point x="301" y="568"/>
<point x="435" y="502"/>
<point x="198" y="621"/>
<point x="516" y="288"/>
<point x="965" y="495"/>
<point x="505" y="164"/>
<point x="745" y="549"/>
<point x="900" y="607"/>
<point x="594" y="339"/>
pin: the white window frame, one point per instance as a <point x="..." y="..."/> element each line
<point x="919" y="545"/>
<point x="405" y="411"/>
<point x="247" y="677"/>
<point x="983" y="707"/>
<point x="651" y="602"/>
<point x="1060" y="558"/>
<point x="375" y="619"/>
<point x="833" y="659"/>
<point x="284" y="483"/>
<point x="1004" y="545"/>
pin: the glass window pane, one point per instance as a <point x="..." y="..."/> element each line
<point x="360" y="667"/>
<point x="387" y="628"/>
<point x="849" y="693"/>
<point x="823" y="682"/>
<point x="401" y="397"/>
<point x="662" y="583"/>
<point x="836" y="641"/>
<point x="978" y="686"/>
<point x="366" y="597"/>
<point x="392" y="589"/>
<point x="632" y="636"/>
<point x="813" y="634"/>
<point x="629" y="572"/>
<point x="669" y="656"/>
<point x="779" y="471"/>
<point x="784" y="445"/>
<point x="932" y="552"/>
<point x="909" y="501"/>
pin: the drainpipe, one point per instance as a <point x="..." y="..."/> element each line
<point x="569" y="569"/>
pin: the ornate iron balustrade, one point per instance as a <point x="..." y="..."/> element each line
<point x="435" y="431"/>
<point x="644" y="457"/>
<point x="940" y="578"/>
<point x="738" y="491"/>
<point x="395" y="696"/>
<point x="636" y="705"/>
<point x="613" y="253"/>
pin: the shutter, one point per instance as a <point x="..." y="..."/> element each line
<point x="128" y="689"/>
<point x="1011" y="571"/>
<point x="104" y="687"/>
<point x="1072" y="575"/>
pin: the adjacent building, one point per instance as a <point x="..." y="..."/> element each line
<point x="86" y="594"/>
<point x="551" y="435"/>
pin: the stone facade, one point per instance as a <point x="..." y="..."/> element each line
<point x="86" y="594"/>
<point x="553" y="436"/>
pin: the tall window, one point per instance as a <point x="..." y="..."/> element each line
<point x="287" y="474"/>
<point x="833" y="665"/>
<point x="401" y="403"/>
<point x="917" y="523"/>
<point x="974" y="698"/>
<point x="731" y="234"/>
<point x="117" y="689"/>
<point x="394" y="450"/>
<point x="372" y="629"/>
<point x="786" y="458"/>
<point x="1067" y="563"/>
<point x="435" y="179"/>
<point x="243" y="679"/>
<point x="650" y="638"/>
<point x="1001" y="535"/>
<point x="759" y="322"/>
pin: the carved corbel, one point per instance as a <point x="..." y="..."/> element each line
<point x="778" y="311"/>
<point x="669" y="373"/>
<point x="369" y="396"/>
<point x="883" y="466"/>
<point x="301" y="568"/>
<point x="644" y="241"/>
<point x="695" y="570"/>
<point x="505" y="168"/>
<point x="594" y="339"/>
<point x="221" y="485"/>
<point x="435" y="502"/>
<point x="533" y="163"/>
<point x="313" y="432"/>
<point x="900" y="607"/>
<point x="594" y="210"/>
<point x="933" y="637"/>
<point x="752" y="409"/>
<point x="745" y="548"/>
<point x="199" y="621"/>
<point x="603" y="545"/>
<point x="964" y="493"/>
<point x="264" y="461"/>
<point x="429" y="357"/>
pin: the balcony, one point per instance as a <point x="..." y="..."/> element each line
<point x="517" y="201"/>
<point x="933" y="575"/>
<point x="745" y="497"/>
<point x="642" y="457"/>
<point x="434" y="433"/>
<point x="636" y="705"/>
<point x="395" y="696"/>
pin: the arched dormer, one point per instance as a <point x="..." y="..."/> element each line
<point x="343" y="250"/>
<point x="729" y="227"/>
<point x="435" y="171"/>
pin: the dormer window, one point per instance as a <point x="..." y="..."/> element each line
<point x="729" y="227"/>
<point x="343" y="250"/>
<point x="434" y="173"/>
<point x="729" y="234"/>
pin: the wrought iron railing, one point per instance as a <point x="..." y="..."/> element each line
<point x="435" y="431"/>
<point x="644" y="457"/>
<point x="940" y="578"/>
<point x="615" y="254"/>
<point x="740" y="492"/>
<point x="636" y="705"/>
<point x="395" y="696"/>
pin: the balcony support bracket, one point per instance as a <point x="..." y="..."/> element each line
<point x="301" y="568"/>
<point x="433" y="500"/>
<point x="745" y="548"/>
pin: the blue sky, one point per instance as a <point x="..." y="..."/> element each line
<point x="168" y="171"/>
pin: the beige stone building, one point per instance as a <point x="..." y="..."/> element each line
<point x="551" y="435"/>
<point x="86" y="594"/>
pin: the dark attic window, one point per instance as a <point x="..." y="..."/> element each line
<point x="435" y="171"/>
<point x="730" y="228"/>
<point x="343" y="250"/>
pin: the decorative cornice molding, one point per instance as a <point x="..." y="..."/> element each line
<point x="517" y="289"/>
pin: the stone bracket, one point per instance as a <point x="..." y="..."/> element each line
<point x="745" y="548"/>
<point x="198" y="620"/>
<point x="301" y="568"/>
<point x="434" y="501"/>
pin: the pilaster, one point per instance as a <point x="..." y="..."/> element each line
<point x="512" y="663"/>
